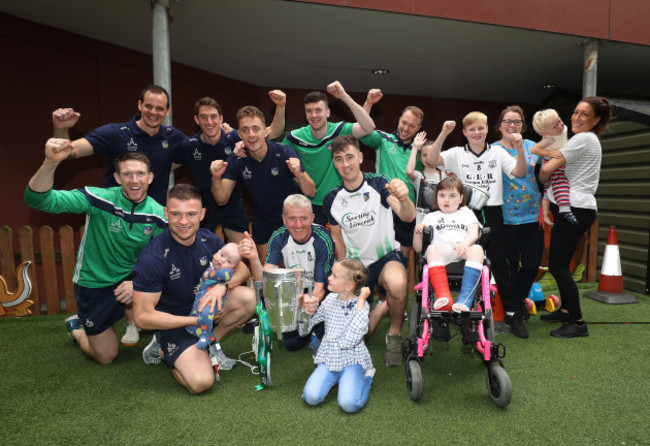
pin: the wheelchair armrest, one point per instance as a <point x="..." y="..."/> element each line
<point x="484" y="236"/>
<point x="427" y="233"/>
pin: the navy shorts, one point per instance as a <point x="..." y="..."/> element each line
<point x="262" y="230"/>
<point x="97" y="308"/>
<point x="403" y="231"/>
<point x="174" y="342"/>
<point x="375" y="269"/>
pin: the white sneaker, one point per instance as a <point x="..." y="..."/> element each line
<point x="151" y="353"/>
<point x="224" y="362"/>
<point x="132" y="335"/>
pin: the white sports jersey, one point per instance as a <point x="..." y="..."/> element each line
<point x="450" y="228"/>
<point x="365" y="217"/>
<point x="482" y="171"/>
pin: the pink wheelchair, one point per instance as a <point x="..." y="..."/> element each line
<point x="476" y="328"/>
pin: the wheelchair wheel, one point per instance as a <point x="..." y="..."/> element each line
<point x="499" y="386"/>
<point x="414" y="379"/>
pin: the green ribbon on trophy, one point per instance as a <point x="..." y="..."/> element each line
<point x="263" y="333"/>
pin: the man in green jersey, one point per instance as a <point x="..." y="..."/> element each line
<point x="312" y="141"/>
<point x="120" y="221"/>
<point x="392" y="154"/>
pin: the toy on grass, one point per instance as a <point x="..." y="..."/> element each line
<point x="203" y="330"/>
<point x="16" y="303"/>
<point x="535" y="295"/>
<point x="552" y="303"/>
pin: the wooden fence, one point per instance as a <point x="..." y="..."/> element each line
<point x="51" y="269"/>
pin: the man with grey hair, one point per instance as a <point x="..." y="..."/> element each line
<point x="299" y="243"/>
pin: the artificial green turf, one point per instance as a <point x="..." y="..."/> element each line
<point x="586" y="391"/>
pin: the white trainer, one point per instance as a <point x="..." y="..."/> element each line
<point x="132" y="335"/>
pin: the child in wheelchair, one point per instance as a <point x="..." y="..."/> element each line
<point x="456" y="231"/>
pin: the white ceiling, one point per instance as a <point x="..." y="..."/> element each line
<point x="286" y="44"/>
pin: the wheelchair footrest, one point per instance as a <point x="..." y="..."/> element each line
<point x="440" y="331"/>
<point x="468" y="329"/>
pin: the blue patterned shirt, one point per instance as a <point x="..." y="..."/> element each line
<point x="345" y="327"/>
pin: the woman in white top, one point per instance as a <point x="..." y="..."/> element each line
<point x="582" y="156"/>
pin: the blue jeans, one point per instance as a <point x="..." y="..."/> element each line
<point x="354" y="387"/>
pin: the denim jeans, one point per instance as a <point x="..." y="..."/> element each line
<point x="354" y="387"/>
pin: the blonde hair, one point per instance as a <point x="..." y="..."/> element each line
<point x="355" y="272"/>
<point x="473" y="117"/>
<point x="543" y="119"/>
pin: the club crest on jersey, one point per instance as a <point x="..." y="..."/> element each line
<point x="392" y="149"/>
<point x="309" y="256"/>
<point x="247" y="174"/>
<point x="165" y="144"/>
<point x="344" y="203"/>
<point x="203" y="260"/>
<point x="148" y="229"/>
<point x="227" y="150"/>
<point x="492" y="164"/>
<point x="131" y="146"/>
<point x="275" y="171"/>
<point x="366" y="196"/>
<point x="197" y="155"/>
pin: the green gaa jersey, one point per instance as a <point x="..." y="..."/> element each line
<point x="392" y="156"/>
<point x="117" y="229"/>
<point x="316" y="156"/>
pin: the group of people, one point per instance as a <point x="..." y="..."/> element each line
<point x="146" y="248"/>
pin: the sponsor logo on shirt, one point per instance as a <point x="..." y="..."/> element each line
<point x="132" y="146"/>
<point x="247" y="174"/>
<point x="175" y="273"/>
<point x="354" y="220"/>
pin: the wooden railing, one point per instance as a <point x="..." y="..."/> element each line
<point x="51" y="268"/>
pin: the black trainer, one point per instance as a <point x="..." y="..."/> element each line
<point x="556" y="316"/>
<point x="517" y="326"/>
<point x="571" y="330"/>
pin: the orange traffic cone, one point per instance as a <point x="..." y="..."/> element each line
<point x="610" y="287"/>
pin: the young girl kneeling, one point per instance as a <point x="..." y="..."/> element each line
<point x="456" y="231"/>
<point x="342" y="357"/>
